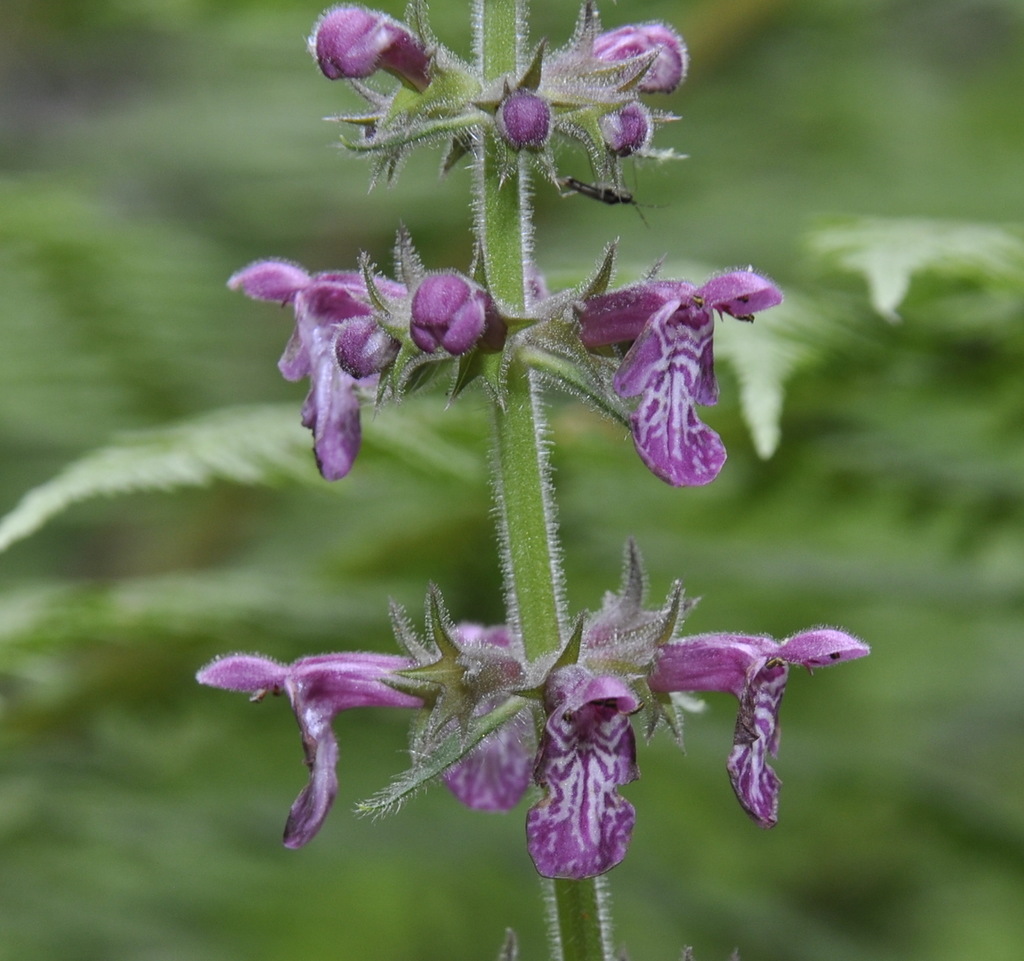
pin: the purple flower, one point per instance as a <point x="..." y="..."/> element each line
<point x="582" y="826"/>
<point x="450" y="312"/>
<point x="333" y="326"/>
<point x="755" y="670"/>
<point x="318" y="688"/>
<point x="637" y="40"/>
<point x="524" y="119"/>
<point x="352" y="43"/>
<point x="670" y="365"/>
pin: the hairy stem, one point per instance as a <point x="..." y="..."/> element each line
<point x="580" y="919"/>
<point x="533" y="577"/>
<point x="522" y="483"/>
<point x="580" y="924"/>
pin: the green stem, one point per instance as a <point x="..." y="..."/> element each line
<point x="522" y="483"/>
<point x="499" y="29"/>
<point x="522" y="477"/>
<point x="581" y="919"/>
<point x="501" y="201"/>
<point x="533" y="576"/>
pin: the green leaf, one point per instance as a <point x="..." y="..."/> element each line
<point x="450" y="750"/>
<point x="262" y="444"/>
<point x="890" y="252"/>
<point x="248" y="445"/>
<point x="764" y="355"/>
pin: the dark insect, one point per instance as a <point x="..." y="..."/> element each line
<point x="606" y="193"/>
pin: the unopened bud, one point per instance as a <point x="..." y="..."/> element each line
<point x="352" y="43"/>
<point x="635" y="40"/>
<point x="628" y="130"/>
<point x="448" y="311"/>
<point x="363" y="347"/>
<point x="524" y="119"/>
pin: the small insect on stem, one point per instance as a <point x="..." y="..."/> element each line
<point x="606" y="193"/>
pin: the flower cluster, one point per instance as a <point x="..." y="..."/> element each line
<point x="587" y="91"/>
<point x="352" y="327"/>
<point x="572" y="736"/>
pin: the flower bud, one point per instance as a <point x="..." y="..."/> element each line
<point x="448" y="311"/>
<point x="351" y="43"/>
<point x="627" y="130"/>
<point x="524" y="119"/>
<point x="363" y="347"/>
<point x="635" y="40"/>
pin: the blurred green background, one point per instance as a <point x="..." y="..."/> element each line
<point x="150" y="148"/>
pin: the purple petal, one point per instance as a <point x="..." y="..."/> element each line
<point x="582" y="826"/>
<point x="331" y="411"/>
<point x="243" y="672"/>
<point x="669" y="365"/>
<point x="627" y="130"/>
<point x="647" y="353"/>
<point x="756" y="737"/>
<point x="822" y="647"/>
<point x="634" y="40"/>
<point x="319" y="688"/>
<point x="313" y="804"/>
<point x="755" y="670"/>
<point x="363" y="348"/>
<point x="328" y="302"/>
<point x="709" y="662"/>
<point x="351" y="679"/>
<point x="276" y="280"/>
<point x="353" y="42"/>
<point x="448" y="311"/>
<point x="740" y="293"/>
<point x="621" y="315"/>
<point x="347" y="41"/>
<point x="495" y="775"/>
<point x="523" y="119"/>
<point x="294" y="362"/>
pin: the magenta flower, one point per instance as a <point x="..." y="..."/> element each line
<point x="670" y="365"/>
<point x="582" y="826"/>
<point x="336" y="344"/>
<point x="636" y="40"/>
<point x="755" y="670"/>
<point x="319" y="688"/>
<point x="352" y="43"/>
